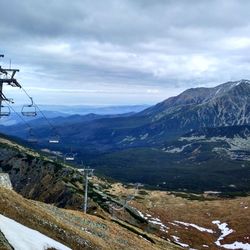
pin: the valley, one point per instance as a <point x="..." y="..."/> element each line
<point x="196" y="141"/>
<point x="48" y="197"/>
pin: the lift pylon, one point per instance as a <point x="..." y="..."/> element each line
<point x="88" y="172"/>
<point x="7" y="76"/>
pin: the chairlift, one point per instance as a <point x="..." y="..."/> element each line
<point x="31" y="137"/>
<point x="54" y="139"/>
<point x="69" y="157"/>
<point x="4" y="111"/>
<point x="29" y="109"/>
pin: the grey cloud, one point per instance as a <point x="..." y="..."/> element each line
<point x="161" y="43"/>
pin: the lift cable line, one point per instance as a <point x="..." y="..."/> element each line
<point x="25" y="122"/>
<point x="126" y="201"/>
<point x="7" y="76"/>
<point x="29" y="110"/>
<point x="55" y="138"/>
<point x="30" y="136"/>
<point x="26" y="110"/>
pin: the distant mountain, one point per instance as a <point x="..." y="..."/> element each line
<point x="15" y="118"/>
<point x="225" y="105"/>
<point x="95" y="109"/>
<point x="54" y="111"/>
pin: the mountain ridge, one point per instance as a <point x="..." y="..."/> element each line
<point x="225" y="105"/>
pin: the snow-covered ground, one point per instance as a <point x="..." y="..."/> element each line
<point x="155" y="221"/>
<point x="202" y="229"/>
<point x="235" y="146"/>
<point x="24" y="238"/>
<point x="236" y="143"/>
<point x="177" y="240"/>
<point x="225" y="231"/>
<point x="176" y="150"/>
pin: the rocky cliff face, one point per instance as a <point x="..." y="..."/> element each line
<point x="5" y="181"/>
<point x="225" y="105"/>
<point x="36" y="177"/>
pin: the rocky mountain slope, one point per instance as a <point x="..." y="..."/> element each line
<point x="120" y="217"/>
<point x="72" y="228"/>
<point x="37" y="177"/>
<point x="224" y="105"/>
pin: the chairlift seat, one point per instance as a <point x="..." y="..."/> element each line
<point x="31" y="140"/>
<point x="5" y="111"/>
<point x="69" y="158"/>
<point x="29" y="110"/>
<point x="29" y="114"/>
<point x="53" y="141"/>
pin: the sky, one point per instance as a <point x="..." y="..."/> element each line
<point x="122" y="52"/>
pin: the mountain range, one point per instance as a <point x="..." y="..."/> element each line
<point x="202" y="128"/>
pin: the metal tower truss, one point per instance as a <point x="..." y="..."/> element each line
<point x="7" y="76"/>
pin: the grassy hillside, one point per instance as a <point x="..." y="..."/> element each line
<point x="189" y="218"/>
<point x="120" y="217"/>
<point x="73" y="228"/>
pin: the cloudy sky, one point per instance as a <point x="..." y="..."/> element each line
<point x="123" y="51"/>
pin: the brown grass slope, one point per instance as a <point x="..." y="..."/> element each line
<point x="196" y="209"/>
<point x="73" y="228"/>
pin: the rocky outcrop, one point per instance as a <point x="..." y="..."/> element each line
<point x="36" y="177"/>
<point x="5" y="181"/>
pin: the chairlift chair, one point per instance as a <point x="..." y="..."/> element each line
<point x="31" y="137"/>
<point x="5" y="111"/>
<point x="54" y="140"/>
<point x="69" y="157"/>
<point x="29" y="109"/>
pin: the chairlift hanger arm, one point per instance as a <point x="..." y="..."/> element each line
<point x="3" y="71"/>
<point x="12" y="82"/>
<point x="4" y="98"/>
<point x="11" y="70"/>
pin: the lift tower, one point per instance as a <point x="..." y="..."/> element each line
<point x="87" y="174"/>
<point x="7" y="76"/>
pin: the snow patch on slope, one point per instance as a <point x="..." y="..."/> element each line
<point x="202" y="229"/>
<point x="237" y="147"/>
<point x="22" y="237"/>
<point x="225" y="231"/>
<point x="155" y="221"/>
<point x="177" y="240"/>
<point x="176" y="150"/>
